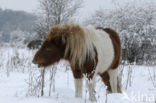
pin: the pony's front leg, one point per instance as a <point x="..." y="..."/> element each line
<point x="91" y="88"/>
<point x="78" y="87"/>
<point x="78" y="82"/>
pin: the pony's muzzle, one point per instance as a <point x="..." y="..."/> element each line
<point x="34" y="61"/>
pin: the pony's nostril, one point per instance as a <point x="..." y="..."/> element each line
<point x="39" y="65"/>
<point x="34" y="62"/>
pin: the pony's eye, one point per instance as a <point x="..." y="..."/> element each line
<point x="48" y="49"/>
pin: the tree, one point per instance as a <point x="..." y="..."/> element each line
<point x="21" y="38"/>
<point x="136" y="25"/>
<point x="53" y="12"/>
<point x="16" y="37"/>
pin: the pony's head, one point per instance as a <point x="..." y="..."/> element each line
<point x="62" y="42"/>
<point x="52" y="49"/>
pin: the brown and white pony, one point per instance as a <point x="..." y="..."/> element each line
<point x="90" y="51"/>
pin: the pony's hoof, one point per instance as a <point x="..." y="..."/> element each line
<point x="93" y="99"/>
<point x="78" y="95"/>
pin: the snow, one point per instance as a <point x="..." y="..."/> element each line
<point x="14" y="87"/>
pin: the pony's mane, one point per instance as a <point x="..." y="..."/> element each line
<point x="77" y="44"/>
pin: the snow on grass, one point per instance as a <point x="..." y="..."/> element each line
<point x="14" y="87"/>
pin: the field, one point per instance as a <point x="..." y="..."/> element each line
<point x="20" y="79"/>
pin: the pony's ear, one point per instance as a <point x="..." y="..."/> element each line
<point x="54" y="32"/>
<point x="57" y="35"/>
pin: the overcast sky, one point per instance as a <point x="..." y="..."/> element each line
<point x="26" y="5"/>
<point x="89" y="5"/>
<point x="31" y="5"/>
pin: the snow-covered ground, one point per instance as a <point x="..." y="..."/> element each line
<point x="15" y="67"/>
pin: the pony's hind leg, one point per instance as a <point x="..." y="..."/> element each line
<point x="105" y="78"/>
<point x="108" y="82"/>
<point x="78" y="82"/>
<point x="113" y="74"/>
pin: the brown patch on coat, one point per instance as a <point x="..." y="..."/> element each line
<point x="117" y="46"/>
<point x="88" y="68"/>
<point x="49" y="53"/>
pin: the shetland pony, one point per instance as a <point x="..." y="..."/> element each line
<point x="90" y="51"/>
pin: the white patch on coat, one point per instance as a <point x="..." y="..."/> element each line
<point x="104" y="46"/>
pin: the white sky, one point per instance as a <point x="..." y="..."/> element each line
<point x="31" y="5"/>
<point x="89" y="5"/>
<point x="26" y="5"/>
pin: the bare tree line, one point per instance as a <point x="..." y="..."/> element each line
<point x="136" y="27"/>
